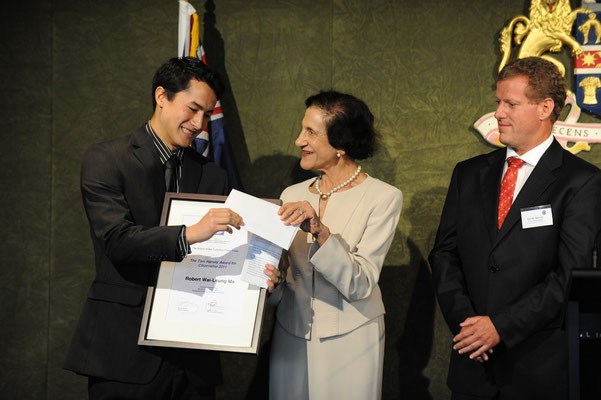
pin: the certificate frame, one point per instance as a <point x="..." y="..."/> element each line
<point x="242" y="338"/>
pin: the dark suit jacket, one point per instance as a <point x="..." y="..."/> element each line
<point x="123" y="187"/>
<point x="518" y="277"/>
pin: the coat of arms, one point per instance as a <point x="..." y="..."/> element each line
<point x="546" y="30"/>
<point x="587" y="65"/>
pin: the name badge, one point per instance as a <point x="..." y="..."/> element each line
<point x="533" y="217"/>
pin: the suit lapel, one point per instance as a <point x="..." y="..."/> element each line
<point x="190" y="181"/>
<point x="539" y="180"/>
<point x="490" y="178"/>
<point x="145" y="151"/>
<point x="345" y="203"/>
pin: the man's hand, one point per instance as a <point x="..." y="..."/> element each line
<point x="484" y="357"/>
<point x="216" y="220"/>
<point x="478" y="335"/>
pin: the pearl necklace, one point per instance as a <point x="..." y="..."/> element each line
<point x="324" y="196"/>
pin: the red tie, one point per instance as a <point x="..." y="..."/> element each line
<point x="507" y="188"/>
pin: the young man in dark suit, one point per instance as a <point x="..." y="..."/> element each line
<point x="123" y="183"/>
<point x="514" y="224"/>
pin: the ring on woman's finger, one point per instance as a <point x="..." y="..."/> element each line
<point x="300" y="211"/>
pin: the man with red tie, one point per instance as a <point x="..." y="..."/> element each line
<point x="514" y="224"/>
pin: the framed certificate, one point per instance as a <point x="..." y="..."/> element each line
<point x="202" y="302"/>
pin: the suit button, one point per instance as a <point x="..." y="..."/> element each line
<point x="494" y="269"/>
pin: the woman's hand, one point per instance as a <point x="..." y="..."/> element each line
<point x="301" y="212"/>
<point x="274" y="276"/>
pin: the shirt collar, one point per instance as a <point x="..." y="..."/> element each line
<point x="532" y="156"/>
<point x="164" y="151"/>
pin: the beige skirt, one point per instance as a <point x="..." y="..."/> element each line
<point x="346" y="367"/>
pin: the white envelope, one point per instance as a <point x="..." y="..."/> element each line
<point x="261" y="218"/>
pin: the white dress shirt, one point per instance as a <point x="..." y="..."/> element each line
<point x="531" y="158"/>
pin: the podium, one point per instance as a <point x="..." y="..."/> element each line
<point x="583" y="322"/>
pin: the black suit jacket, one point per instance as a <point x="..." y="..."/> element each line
<point x="518" y="277"/>
<point x="123" y="186"/>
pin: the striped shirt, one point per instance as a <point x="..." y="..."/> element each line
<point x="183" y="247"/>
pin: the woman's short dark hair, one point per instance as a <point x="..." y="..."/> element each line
<point x="349" y="123"/>
<point x="175" y="75"/>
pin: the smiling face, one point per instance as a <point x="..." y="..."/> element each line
<point x="523" y="123"/>
<point x="317" y="153"/>
<point x="179" y="120"/>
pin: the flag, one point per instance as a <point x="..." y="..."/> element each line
<point x="212" y="144"/>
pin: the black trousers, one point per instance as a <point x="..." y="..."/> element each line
<point x="170" y="383"/>
<point x="459" y="396"/>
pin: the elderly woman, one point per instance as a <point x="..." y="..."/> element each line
<point x="328" y="340"/>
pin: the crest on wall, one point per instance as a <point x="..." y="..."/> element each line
<point x="587" y="66"/>
<point x="546" y="30"/>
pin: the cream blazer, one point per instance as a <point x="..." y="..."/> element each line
<point x="335" y="286"/>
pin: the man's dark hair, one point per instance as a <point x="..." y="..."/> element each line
<point x="175" y="75"/>
<point x="544" y="81"/>
<point x="349" y="123"/>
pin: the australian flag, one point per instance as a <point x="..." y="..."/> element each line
<point x="212" y="144"/>
<point x="218" y="147"/>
